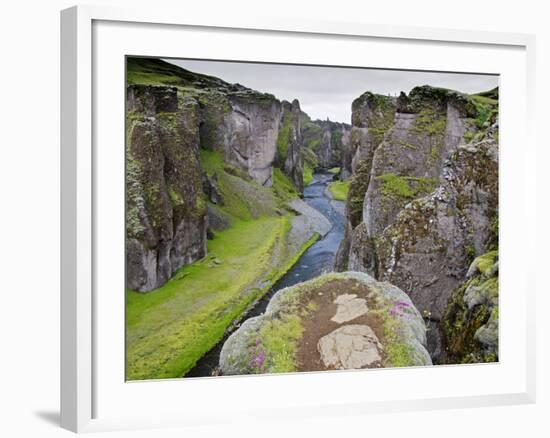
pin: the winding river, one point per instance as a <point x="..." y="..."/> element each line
<point x="318" y="259"/>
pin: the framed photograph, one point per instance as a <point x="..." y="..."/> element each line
<point x="254" y="209"/>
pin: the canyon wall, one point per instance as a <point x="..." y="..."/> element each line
<point x="423" y="199"/>
<point x="173" y="114"/>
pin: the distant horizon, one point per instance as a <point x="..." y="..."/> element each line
<point x="328" y="92"/>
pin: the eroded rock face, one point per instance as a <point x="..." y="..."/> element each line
<point x="408" y="162"/>
<point x="251" y="130"/>
<point x="428" y="248"/>
<point x="430" y="199"/>
<point x="372" y="116"/>
<point x="289" y="144"/>
<point x="166" y="208"/>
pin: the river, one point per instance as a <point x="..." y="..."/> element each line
<point x="318" y="259"/>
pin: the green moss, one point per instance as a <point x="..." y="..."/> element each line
<point x="283" y="138"/>
<point x="308" y="174"/>
<point x="175" y="197"/>
<point x="430" y="122"/>
<point x="470" y="251"/>
<point x="407" y="187"/>
<point x="334" y="170"/>
<point x="283" y="187"/>
<point x="398" y="354"/>
<point x="469" y="136"/>
<point x="407" y="145"/>
<point x="473" y="306"/>
<point x="485" y="262"/>
<point x="339" y="189"/>
<point x="434" y="153"/>
<point x="279" y="338"/>
<point x="478" y="98"/>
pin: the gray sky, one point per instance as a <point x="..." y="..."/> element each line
<point x="328" y="91"/>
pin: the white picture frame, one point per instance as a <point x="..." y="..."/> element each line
<point x="93" y="397"/>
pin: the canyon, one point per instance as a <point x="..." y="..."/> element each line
<point x="251" y="227"/>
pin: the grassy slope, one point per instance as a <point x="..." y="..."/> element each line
<point x="169" y="329"/>
<point x="339" y="189"/>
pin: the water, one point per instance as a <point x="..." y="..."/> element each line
<point x="319" y="258"/>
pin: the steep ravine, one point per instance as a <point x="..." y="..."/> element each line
<point x="318" y="259"/>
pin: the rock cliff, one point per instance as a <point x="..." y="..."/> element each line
<point x="165" y="206"/>
<point x="289" y="144"/>
<point x="372" y="116"/>
<point x="173" y="114"/>
<point x="430" y="197"/>
<point x="470" y="321"/>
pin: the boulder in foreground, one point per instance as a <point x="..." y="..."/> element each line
<point x="335" y="321"/>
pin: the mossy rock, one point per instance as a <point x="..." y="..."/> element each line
<point x="470" y="322"/>
<point x="290" y="335"/>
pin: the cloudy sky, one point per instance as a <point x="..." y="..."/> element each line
<point x="328" y="91"/>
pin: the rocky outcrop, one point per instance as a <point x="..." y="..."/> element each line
<point x="428" y="126"/>
<point x="290" y="158"/>
<point x="336" y="321"/>
<point x="165" y="207"/>
<point x="470" y="321"/>
<point x="428" y="248"/>
<point x="431" y="199"/>
<point x="372" y="117"/>
<point x="240" y="123"/>
<point x="251" y="130"/>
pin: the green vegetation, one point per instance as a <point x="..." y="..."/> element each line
<point x="431" y="122"/>
<point x="484" y="263"/>
<point x="473" y="309"/>
<point x="334" y="170"/>
<point x="283" y="187"/>
<point x="380" y="120"/>
<point x="310" y="163"/>
<point x="398" y="353"/>
<point x="339" y="189"/>
<point x="244" y="199"/>
<point x="279" y="338"/>
<point x="169" y="329"/>
<point x="408" y="187"/>
<point x="283" y="138"/>
<point x="308" y="174"/>
<point x="486" y="111"/>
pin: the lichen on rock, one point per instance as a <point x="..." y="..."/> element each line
<point x="166" y="207"/>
